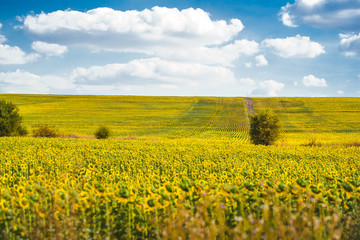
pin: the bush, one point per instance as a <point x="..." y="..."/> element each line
<point x="264" y="128"/>
<point x="312" y="143"/>
<point x="102" y="132"/>
<point x="21" y="131"/>
<point x="10" y="120"/>
<point x="44" y="130"/>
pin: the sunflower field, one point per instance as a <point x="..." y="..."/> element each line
<point x="188" y="171"/>
<point x="89" y="189"/>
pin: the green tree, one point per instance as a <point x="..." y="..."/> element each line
<point x="10" y="120"/>
<point x="102" y="132"/>
<point x="264" y="128"/>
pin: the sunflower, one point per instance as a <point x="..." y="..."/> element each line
<point x="40" y="210"/>
<point x="20" y="190"/>
<point x="59" y="195"/>
<point x="150" y="202"/>
<point x="83" y="195"/>
<point x="24" y="203"/>
<point x="4" y="205"/>
<point x="162" y="203"/>
<point x="348" y="190"/>
<point x="57" y="215"/>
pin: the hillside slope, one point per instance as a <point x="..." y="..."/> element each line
<point x="137" y="116"/>
<point x="323" y="120"/>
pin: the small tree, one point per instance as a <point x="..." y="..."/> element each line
<point x="264" y="128"/>
<point x="43" y="130"/>
<point x="102" y="132"/>
<point x="10" y="120"/>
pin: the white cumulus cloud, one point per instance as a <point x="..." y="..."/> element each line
<point x="297" y="47"/>
<point x="350" y="44"/>
<point x="188" y="35"/>
<point x="224" y="55"/>
<point x="310" y="3"/>
<point x="14" y="55"/>
<point x="157" y="26"/>
<point x="261" y="61"/>
<point x="287" y="19"/>
<point x="312" y="81"/>
<point x="22" y="81"/>
<point x="268" y="88"/>
<point x="338" y="14"/>
<point x="49" y="49"/>
<point x="153" y="71"/>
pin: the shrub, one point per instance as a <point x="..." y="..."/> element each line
<point x="10" y="120"/>
<point x="264" y="128"/>
<point x="21" y="131"/>
<point x="312" y="143"/>
<point x="44" y="130"/>
<point x="102" y="132"/>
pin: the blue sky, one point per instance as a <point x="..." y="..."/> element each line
<point x="181" y="48"/>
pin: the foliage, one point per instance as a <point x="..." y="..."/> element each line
<point x="44" y="130"/>
<point x="264" y="128"/>
<point x="140" y="189"/>
<point x="10" y="120"/>
<point x="21" y="131"/>
<point x="102" y="132"/>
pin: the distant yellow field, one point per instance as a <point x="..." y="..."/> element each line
<point x="136" y="116"/>
<point x="323" y="120"/>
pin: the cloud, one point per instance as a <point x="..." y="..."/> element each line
<point x="350" y="44"/>
<point x="154" y="27"/>
<point x="168" y="33"/>
<point x="261" y="61"/>
<point x="268" y="88"/>
<point x="340" y="92"/>
<point x="153" y="71"/>
<point x="297" y="47"/>
<point x="14" y="55"/>
<point x="288" y="20"/>
<point x="336" y="14"/>
<point x="224" y="55"/>
<point x="312" y="81"/>
<point x="2" y="39"/>
<point x="49" y="49"/>
<point x="143" y="76"/>
<point x="22" y="81"/>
